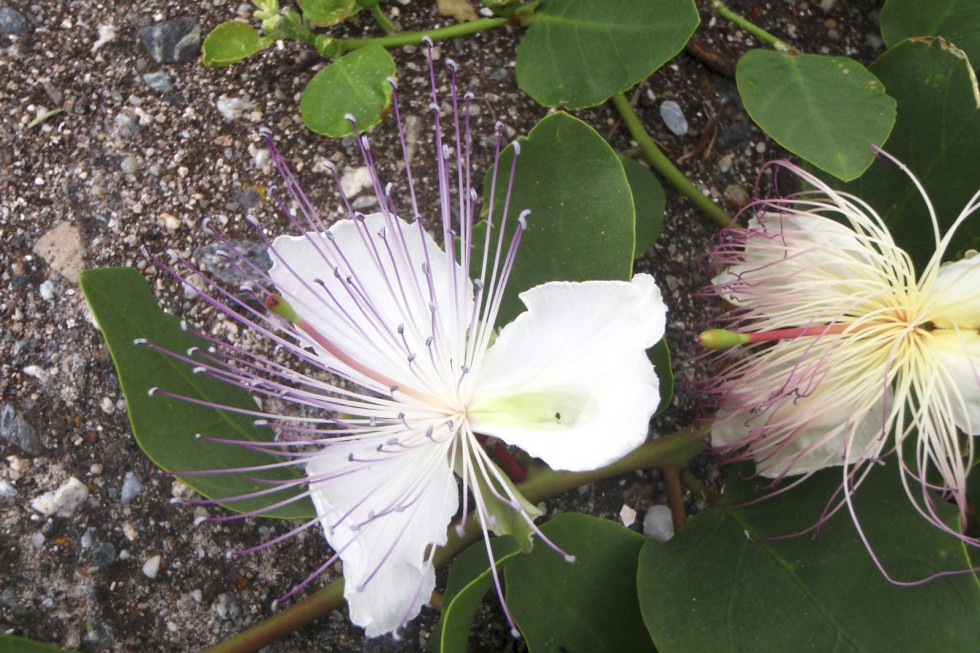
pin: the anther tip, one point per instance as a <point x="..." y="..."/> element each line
<point x="139" y="341"/>
<point x="265" y="133"/>
<point x="569" y="557"/>
<point x="392" y="82"/>
<point x="516" y="634"/>
<point x="152" y="391"/>
<point x="427" y="42"/>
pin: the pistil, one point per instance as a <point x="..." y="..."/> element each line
<point x="723" y="338"/>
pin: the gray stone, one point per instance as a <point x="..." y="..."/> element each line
<point x="173" y="41"/>
<point x="131" y="488"/>
<point x="158" y="81"/>
<point x="12" y="21"/>
<point x="673" y="117"/>
<point x="215" y="260"/>
<point x="247" y="198"/>
<point x="18" y="430"/>
<point x="102" y="554"/>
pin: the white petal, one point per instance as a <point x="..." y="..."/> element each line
<point x="569" y="380"/>
<point x="957" y="353"/>
<point x="389" y="289"/>
<point x="381" y="517"/>
<point x="957" y="294"/>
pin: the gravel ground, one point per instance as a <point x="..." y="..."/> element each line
<point x="141" y="154"/>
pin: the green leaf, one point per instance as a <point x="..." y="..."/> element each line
<point x="356" y="84"/>
<point x="825" y="594"/>
<point x="166" y="429"/>
<point x="231" y="42"/>
<point x="826" y="110"/>
<point x="957" y="21"/>
<point x="650" y="202"/>
<point x="14" y="644"/>
<point x="937" y="135"/>
<point x="660" y="357"/>
<point x="587" y="606"/>
<point x="578" y="53"/>
<point x="469" y="580"/>
<point x="581" y="224"/>
<point x="324" y="13"/>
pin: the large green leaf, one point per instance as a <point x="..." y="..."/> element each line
<point x="578" y="53"/>
<point x="957" y="21"/>
<point x="650" y="201"/>
<point x="937" y="135"/>
<point x="324" y="13"/>
<point x="166" y="429"/>
<point x="469" y="580"/>
<point x="582" y="220"/>
<point x="719" y="585"/>
<point x="826" y="110"/>
<point x="355" y="84"/>
<point x="231" y="42"/>
<point x="586" y="606"/>
<point x="14" y="644"/>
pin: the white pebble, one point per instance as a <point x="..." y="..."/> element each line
<point x="86" y="540"/>
<point x="131" y="488"/>
<point x="354" y="180"/>
<point x="6" y="489"/>
<point x="107" y="406"/>
<point x="37" y="372"/>
<point x="47" y="290"/>
<point x="673" y="117"/>
<point x="152" y="567"/>
<point x="96" y="469"/>
<point x="37" y="540"/>
<point x="232" y="108"/>
<point x="627" y="515"/>
<point x="63" y="501"/>
<point x="658" y="523"/>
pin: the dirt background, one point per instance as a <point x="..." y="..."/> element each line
<point x="140" y="156"/>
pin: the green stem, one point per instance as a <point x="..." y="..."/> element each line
<point x="542" y="483"/>
<point x="753" y="29"/>
<point x="381" y="19"/>
<point x="659" y="161"/>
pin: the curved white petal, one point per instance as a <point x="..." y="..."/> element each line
<point x="569" y="380"/>
<point x="373" y="282"/>
<point x="957" y="354"/>
<point x="954" y="300"/>
<point x="381" y="512"/>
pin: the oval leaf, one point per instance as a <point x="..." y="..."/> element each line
<point x="957" y="21"/>
<point x="581" y="224"/>
<point x="231" y="42"/>
<point x="469" y="580"/>
<point x="166" y="429"/>
<point x="578" y="53"/>
<point x="14" y="644"/>
<point x="324" y="13"/>
<point x="586" y="606"/>
<point x="937" y="135"/>
<point x="826" y="110"/>
<point x="718" y="585"/>
<point x="649" y="201"/>
<point x="355" y="84"/>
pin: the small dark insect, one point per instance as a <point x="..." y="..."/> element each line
<point x="558" y="416"/>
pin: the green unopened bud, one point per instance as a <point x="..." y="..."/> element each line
<point x="276" y="304"/>
<point x="721" y="339"/>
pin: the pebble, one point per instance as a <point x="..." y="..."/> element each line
<point x="736" y="195"/>
<point x="128" y="164"/>
<point x="355" y="180"/>
<point x="96" y="469"/>
<point x="46" y="289"/>
<point x="63" y="501"/>
<point x="18" y="430"/>
<point x="232" y="108"/>
<point x="106" y="33"/>
<point x="6" y="489"/>
<point x="152" y="567"/>
<point x="226" y="607"/>
<point x="725" y="162"/>
<point x="169" y="221"/>
<point x="627" y="515"/>
<point x="658" y="523"/>
<point x="173" y="41"/>
<point x="62" y="248"/>
<point x="125" y="125"/>
<point x="673" y="117"/>
<point x="37" y="540"/>
<point x="107" y="406"/>
<point x="158" y="81"/>
<point x="103" y="554"/>
<point x="86" y="540"/>
<point x="12" y="21"/>
<point x="247" y="197"/>
<point x="37" y="372"/>
<point x="131" y="488"/>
